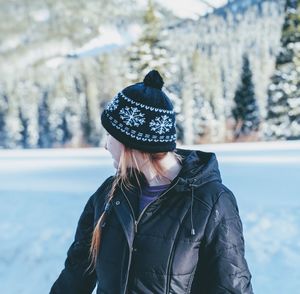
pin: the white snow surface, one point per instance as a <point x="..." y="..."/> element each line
<point x="110" y="37"/>
<point x="192" y="8"/>
<point x="43" y="192"/>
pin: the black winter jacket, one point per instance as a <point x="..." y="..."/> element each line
<point x="189" y="240"/>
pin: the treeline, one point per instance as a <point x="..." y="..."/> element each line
<point x="217" y="71"/>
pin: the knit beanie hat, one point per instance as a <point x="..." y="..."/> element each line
<point x="141" y="116"/>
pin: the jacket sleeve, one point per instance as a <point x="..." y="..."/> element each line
<point x="75" y="278"/>
<point x="225" y="269"/>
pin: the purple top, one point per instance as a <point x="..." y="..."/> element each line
<point x="150" y="193"/>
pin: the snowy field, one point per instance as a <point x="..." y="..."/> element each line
<point x="42" y="194"/>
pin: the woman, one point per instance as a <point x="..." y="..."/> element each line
<point x="164" y="223"/>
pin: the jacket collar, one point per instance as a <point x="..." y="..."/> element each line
<point x="198" y="168"/>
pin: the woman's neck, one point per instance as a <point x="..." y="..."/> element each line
<point x="172" y="167"/>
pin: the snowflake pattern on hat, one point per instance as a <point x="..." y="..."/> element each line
<point x="161" y="124"/>
<point x="139" y="136"/>
<point x="132" y="116"/>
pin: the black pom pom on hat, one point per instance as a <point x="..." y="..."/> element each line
<point x="153" y="79"/>
<point x="142" y="116"/>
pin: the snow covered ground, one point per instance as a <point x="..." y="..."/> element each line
<point x="42" y="193"/>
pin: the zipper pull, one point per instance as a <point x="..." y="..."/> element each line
<point x="135" y="226"/>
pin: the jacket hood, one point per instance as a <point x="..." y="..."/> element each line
<point x="198" y="168"/>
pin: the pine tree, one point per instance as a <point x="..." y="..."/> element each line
<point x="67" y="135"/>
<point x="202" y="114"/>
<point x="66" y="109"/>
<point x="86" y="122"/>
<point x="24" y="122"/>
<point x="283" y="108"/>
<point x="63" y="128"/>
<point x="174" y="91"/>
<point x="89" y="103"/>
<point x="192" y="98"/>
<point x="45" y="135"/>
<point x="3" y="117"/>
<point x="148" y="52"/>
<point x="245" y="111"/>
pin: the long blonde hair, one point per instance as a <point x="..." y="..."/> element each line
<point x="128" y="169"/>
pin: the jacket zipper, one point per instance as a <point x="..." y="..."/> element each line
<point x="136" y="222"/>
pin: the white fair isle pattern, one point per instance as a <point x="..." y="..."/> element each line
<point x="132" y="116"/>
<point x="113" y="105"/>
<point x="145" y="106"/>
<point x="161" y="124"/>
<point x="138" y="135"/>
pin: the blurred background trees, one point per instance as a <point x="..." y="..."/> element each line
<point x="232" y="73"/>
<point x="283" y="117"/>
